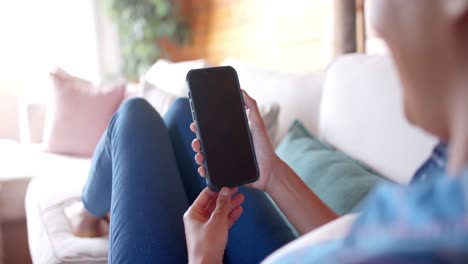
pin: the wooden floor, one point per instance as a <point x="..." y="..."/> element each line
<point x="15" y="243"/>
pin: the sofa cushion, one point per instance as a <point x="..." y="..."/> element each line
<point x="336" y="178"/>
<point x="170" y="76"/>
<point x="270" y="113"/>
<point x="361" y="113"/>
<point x="49" y="233"/>
<point x="160" y="100"/>
<point x="79" y="114"/>
<point x="50" y="236"/>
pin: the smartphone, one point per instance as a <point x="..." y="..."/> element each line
<point x="218" y="111"/>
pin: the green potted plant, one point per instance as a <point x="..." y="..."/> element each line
<point x="140" y="24"/>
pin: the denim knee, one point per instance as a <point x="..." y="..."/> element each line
<point x="136" y="113"/>
<point x="136" y="105"/>
<point x="180" y="109"/>
<point x="181" y="104"/>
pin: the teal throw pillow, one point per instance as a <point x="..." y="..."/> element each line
<point x="340" y="181"/>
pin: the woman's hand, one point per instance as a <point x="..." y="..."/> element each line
<point x="266" y="157"/>
<point x="207" y="223"/>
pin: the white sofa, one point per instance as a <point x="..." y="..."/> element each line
<point x="355" y="105"/>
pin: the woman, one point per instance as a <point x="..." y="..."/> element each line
<point x="142" y="172"/>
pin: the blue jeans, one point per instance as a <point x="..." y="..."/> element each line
<point x="144" y="173"/>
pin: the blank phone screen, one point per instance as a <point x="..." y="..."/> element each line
<point x="223" y="127"/>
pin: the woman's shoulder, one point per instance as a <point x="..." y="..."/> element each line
<point x="333" y="231"/>
<point x="426" y="217"/>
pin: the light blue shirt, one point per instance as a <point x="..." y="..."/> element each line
<point x="425" y="222"/>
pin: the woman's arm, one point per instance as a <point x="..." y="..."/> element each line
<point x="301" y="206"/>
<point x="335" y="230"/>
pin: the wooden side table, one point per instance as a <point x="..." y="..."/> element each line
<point x="16" y="170"/>
<point x="1" y="239"/>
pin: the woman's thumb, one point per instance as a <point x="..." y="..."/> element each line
<point x="223" y="201"/>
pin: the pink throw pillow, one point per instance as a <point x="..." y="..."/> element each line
<point x="79" y="114"/>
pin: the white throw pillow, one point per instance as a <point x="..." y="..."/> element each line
<point x="170" y="76"/>
<point x="162" y="100"/>
<point x="298" y="95"/>
<point x="270" y="113"/>
<point x="158" y="98"/>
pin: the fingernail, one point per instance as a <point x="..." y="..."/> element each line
<point x="224" y="192"/>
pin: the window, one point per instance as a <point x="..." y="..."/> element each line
<point x="39" y="35"/>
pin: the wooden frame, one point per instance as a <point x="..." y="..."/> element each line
<point x="349" y="26"/>
<point x="360" y="26"/>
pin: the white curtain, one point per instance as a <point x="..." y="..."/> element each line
<point x="36" y="36"/>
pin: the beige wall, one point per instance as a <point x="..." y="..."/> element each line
<point x="281" y="35"/>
